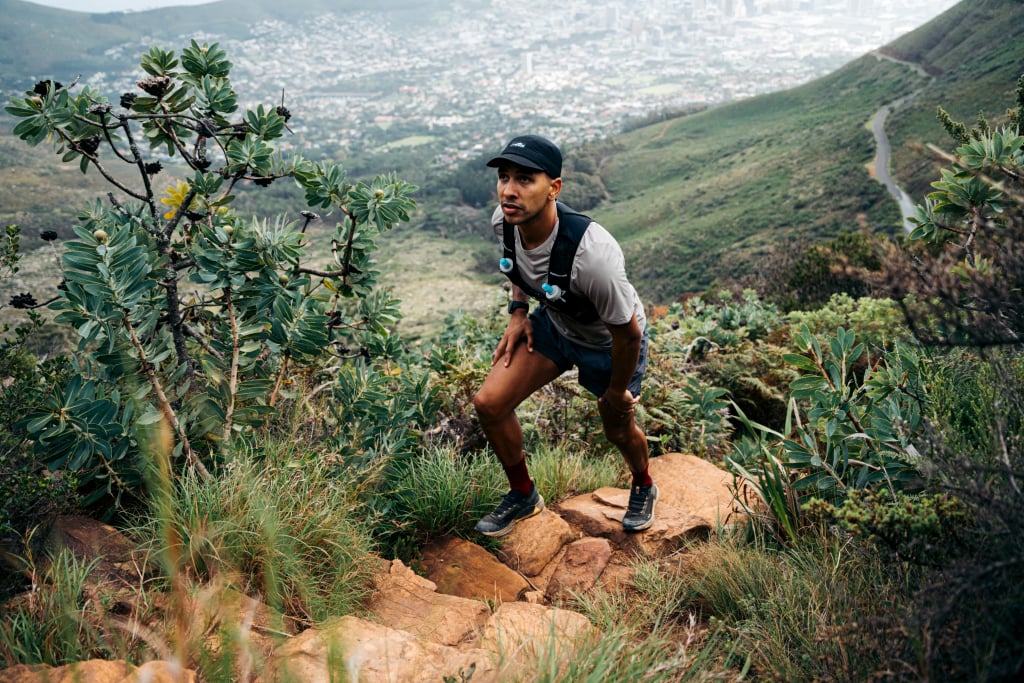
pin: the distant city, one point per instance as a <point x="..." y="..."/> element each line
<point x="574" y="70"/>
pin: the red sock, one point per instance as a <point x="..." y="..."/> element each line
<point x="518" y="477"/>
<point x="642" y="478"/>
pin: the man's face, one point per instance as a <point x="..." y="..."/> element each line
<point x="524" y="192"/>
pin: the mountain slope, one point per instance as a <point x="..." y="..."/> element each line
<point x="705" y="196"/>
<point x="976" y="51"/>
<point x="692" y="199"/>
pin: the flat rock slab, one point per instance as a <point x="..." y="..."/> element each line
<point x="519" y="633"/>
<point x="580" y="568"/>
<point x="408" y="602"/>
<point x="694" y="498"/>
<point x="697" y="487"/>
<point x="458" y="567"/>
<point x="600" y="513"/>
<point x="349" y="648"/>
<point x="355" y="649"/>
<point x="99" y="671"/>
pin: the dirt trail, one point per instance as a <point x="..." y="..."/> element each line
<point x="883" y="149"/>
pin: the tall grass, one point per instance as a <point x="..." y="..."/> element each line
<point x="57" y="623"/>
<point x="287" y="528"/>
<point x="569" y="469"/>
<point x="827" y="609"/>
<point x="442" y="492"/>
<point x="651" y="631"/>
<point x="616" y="657"/>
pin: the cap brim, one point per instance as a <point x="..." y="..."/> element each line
<point x="515" y="159"/>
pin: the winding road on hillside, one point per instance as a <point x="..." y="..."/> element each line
<point x="883" y="150"/>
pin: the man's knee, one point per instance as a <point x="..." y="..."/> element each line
<point x="618" y="434"/>
<point x="488" y="406"/>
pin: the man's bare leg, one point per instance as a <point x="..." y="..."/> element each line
<point x="502" y="392"/>
<point x="621" y="430"/>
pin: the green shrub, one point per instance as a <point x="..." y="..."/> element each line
<point x="922" y="528"/>
<point x="808" y="277"/>
<point x="971" y="409"/>
<point x="976" y="453"/>
<point x="724" y="319"/>
<point x="843" y="431"/>
<point x="692" y="418"/>
<point x="191" y="314"/>
<point x="701" y="353"/>
<point x="876" y="322"/>
<point x="30" y="495"/>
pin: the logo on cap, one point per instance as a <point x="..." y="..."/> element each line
<point x="531" y="151"/>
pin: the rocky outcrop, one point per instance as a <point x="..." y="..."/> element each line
<point x="459" y="567"/>
<point x="696" y="498"/>
<point x="414" y="634"/>
<point x="580" y="568"/>
<point x="470" y="613"/>
<point x="408" y="602"/>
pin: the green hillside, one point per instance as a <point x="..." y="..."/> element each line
<point x="693" y="199"/>
<point x="705" y="196"/>
<point x="976" y="51"/>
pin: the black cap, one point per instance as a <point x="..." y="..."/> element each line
<point x="532" y="151"/>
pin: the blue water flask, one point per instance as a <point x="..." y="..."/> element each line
<point x="505" y="265"/>
<point x="551" y="291"/>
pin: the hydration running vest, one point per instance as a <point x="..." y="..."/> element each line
<point x="571" y="226"/>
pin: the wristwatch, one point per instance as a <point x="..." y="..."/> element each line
<point x="514" y="306"/>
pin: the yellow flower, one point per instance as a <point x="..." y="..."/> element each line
<point x="175" y="196"/>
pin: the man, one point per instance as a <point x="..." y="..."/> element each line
<point x="590" y="317"/>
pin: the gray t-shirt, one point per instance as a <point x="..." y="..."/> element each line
<point x="598" y="273"/>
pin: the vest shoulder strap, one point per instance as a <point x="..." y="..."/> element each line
<point x="571" y="228"/>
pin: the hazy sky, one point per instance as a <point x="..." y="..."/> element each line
<point x="114" y="5"/>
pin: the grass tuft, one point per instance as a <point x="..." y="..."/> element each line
<point x="288" y="529"/>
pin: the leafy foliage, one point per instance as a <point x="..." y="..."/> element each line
<point x="805" y="277"/>
<point x="842" y="433"/>
<point x="911" y="526"/>
<point x="196" y="317"/>
<point x="967" y="260"/>
<point x="878" y="323"/>
<point x="707" y="352"/>
<point x="29" y="493"/>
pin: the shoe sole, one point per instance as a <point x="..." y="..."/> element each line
<point x="504" y="531"/>
<point x="646" y="525"/>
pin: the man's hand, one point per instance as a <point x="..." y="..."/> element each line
<point x="626" y="342"/>
<point x="621" y="402"/>
<point x="518" y="328"/>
